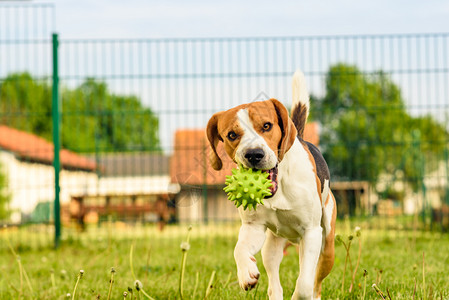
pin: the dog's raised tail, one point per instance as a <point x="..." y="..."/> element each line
<point x="300" y="105"/>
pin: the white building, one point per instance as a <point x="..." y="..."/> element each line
<point x="26" y="161"/>
<point x="132" y="181"/>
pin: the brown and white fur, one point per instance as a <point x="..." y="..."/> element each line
<point x="261" y="135"/>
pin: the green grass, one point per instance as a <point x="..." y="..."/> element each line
<point x="393" y="260"/>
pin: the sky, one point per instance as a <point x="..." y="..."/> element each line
<point x="236" y="18"/>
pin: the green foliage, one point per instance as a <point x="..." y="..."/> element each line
<point x="25" y="104"/>
<point x="4" y="196"/>
<point x="93" y="118"/>
<point x="367" y="130"/>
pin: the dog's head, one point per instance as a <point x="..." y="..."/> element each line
<point x="255" y="135"/>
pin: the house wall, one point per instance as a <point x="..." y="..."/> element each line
<point x="31" y="183"/>
<point x="190" y="205"/>
<point x="136" y="185"/>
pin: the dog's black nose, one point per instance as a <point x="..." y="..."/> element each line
<point x="254" y="156"/>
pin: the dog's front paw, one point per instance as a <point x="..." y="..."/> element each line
<point x="248" y="274"/>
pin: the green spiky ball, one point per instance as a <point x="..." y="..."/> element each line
<point x="247" y="187"/>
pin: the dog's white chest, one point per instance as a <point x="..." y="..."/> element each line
<point x="286" y="224"/>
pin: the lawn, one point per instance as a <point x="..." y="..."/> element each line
<point x="392" y="259"/>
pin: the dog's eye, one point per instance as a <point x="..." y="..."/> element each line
<point x="232" y="136"/>
<point x="267" y="126"/>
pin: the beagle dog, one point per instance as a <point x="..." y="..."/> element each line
<point x="302" y="208"/>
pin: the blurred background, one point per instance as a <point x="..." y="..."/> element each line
<point x="138" y="81"/>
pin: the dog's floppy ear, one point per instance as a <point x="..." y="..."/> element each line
<point x="214" y="137"/>
<point x="287" y="127"/>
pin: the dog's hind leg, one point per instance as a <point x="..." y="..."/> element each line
<point x="272" y="254"/>
<point x="326" y="261"/>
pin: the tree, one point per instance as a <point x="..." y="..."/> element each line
<point x="367" y="130"/>
<point x="25" y="104"/>
<point x="93" y="118"/>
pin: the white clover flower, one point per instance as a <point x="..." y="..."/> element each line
<point x="185" y="246"/>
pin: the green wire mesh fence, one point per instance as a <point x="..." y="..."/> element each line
<point x="134" y="112"/>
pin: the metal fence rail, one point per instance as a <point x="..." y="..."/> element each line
<point x="134" y="112"/>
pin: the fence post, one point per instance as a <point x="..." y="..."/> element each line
<point x="56" y="138"/>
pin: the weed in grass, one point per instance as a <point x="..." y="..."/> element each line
<point x="196" y="284"/>
<point x="136" y="281"/>
<point x="347" y="246"/>
<point x="424" y="293"/>
<point x="365" y="274"/>
<point x="80" y="275"/>
<point x="130" y="290"/>
<point x="378" y="291"/>
<point x="358" y="234"/>
<point x="414" y="289"/>
<point x="52" y="276"/>
<point x="139" y="286"/>
<point x="379" y="275"/>
<point x="210" y="285"/>
<point x="111" y="282"/>
<point x="185" y="246"/>
<point x="22" y="271"/>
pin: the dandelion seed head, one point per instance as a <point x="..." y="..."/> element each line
<point x="125" y="294"/>
<point x="185" y="246"/>
<point x="68" y="295"/>
<point x="138" y="285"/>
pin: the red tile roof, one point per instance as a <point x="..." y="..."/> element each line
<point x="30" y="147"/>
<point x="190" y="162"/>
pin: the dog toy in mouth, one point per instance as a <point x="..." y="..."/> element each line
<point x="247" y="187"/>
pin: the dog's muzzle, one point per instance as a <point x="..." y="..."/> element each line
<point x="254" y="156"/>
